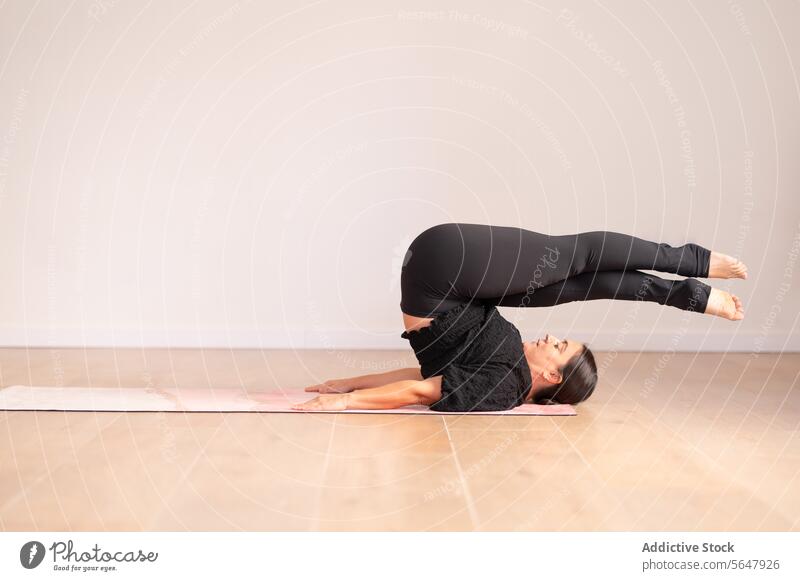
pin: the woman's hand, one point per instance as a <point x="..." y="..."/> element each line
<point x="335" y="402"/>
<point x="334" y="386"/>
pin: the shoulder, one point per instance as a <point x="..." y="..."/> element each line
<point x="497" y="338"/>
<point x="489" y="386"/>
<point x="495" y="318"/>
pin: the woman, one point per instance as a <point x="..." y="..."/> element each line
<point x="454" y="276"/>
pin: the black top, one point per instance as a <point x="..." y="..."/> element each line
<point x="480" y="356"/>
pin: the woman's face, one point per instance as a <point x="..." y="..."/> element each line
<point x="548" y="354"/>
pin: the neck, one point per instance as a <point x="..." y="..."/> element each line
<point x="538" y="382"/>
<point x="534" y="387"/>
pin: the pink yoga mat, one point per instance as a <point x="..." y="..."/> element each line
<point x="203" y="399"/>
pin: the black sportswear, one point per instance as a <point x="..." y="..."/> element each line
<point x="458" y="273"/>
<point x="479" y="355"/>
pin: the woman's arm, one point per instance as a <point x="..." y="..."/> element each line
<point x="366" y="381"/>
<point x="390" y="396"/>
<point x="379" y="379"/>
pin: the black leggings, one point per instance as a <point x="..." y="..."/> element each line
<point x="454" y="263"/>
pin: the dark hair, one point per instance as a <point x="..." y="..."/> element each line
<point x="579" y="377"/>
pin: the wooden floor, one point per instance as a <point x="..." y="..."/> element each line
<point x="669" y="441"/>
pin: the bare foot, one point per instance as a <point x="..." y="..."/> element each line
<point x="724" y="266"/>
<point x="725" y="305"/>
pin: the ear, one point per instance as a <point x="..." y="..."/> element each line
<point x="552" y="376"/>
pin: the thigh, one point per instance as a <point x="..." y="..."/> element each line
<point x="452" y="263"/>
<point x="498" y="260"/>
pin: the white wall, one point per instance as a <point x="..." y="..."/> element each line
<point x="199" y="173"/>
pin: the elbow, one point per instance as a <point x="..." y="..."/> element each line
<point x="428" y="391"/>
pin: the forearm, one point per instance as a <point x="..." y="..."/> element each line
<point x="379" y="379"/>
<point x="393" y="395"/>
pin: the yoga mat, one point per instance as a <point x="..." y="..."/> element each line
<point x="204" y="399"/>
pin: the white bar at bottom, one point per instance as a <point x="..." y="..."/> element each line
<point x="388" y="555"/>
